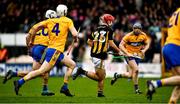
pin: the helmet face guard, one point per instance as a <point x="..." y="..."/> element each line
<point x="50" y="14"/>
<point x="61" y="10"/>
<point x="137" y="28"/>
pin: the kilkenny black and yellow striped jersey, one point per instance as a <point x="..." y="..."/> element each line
<point x="100" y="39"/>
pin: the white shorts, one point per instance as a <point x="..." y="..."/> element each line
<point x="98" y="63"/>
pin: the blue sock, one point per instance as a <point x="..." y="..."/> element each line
<point x="21" y="81"/>
<point x="159" y="83"/>
<point x="14" y="74"/>
<point x="45" y="88"/>
<point x="65" y="86"/>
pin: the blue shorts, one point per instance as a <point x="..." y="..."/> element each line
<point x="132" y="58"/>
<point x="53" y="56"/>
<point x="171" y="53"/>
<point x="37" y="52"/>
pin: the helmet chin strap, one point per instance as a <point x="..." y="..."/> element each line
<point x="107" y="24"/>
<point x="50" y="16"/>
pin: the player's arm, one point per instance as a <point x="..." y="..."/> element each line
<point x="27" y="43"/>
<point x="113" y="45"/>
<point x="90" y="39"/>
<point x="74" y="33"/>
<point x="73" y="30"/>
<point x="90" y="42"/>
<point x="27" y="39"/>
<point x="111" y="42"/>
<point x="31" y="36"/>
<point x="122" y="46"/>
<point x="32" y="32"/>
<point x="147" y="45"/>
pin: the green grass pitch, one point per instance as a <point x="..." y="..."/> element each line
<point x="85" y="91"/>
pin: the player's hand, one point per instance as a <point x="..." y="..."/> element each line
<point x="30" y="44"/>
<point x="75" y="39"/>
<point x="142" y="53"/>
<point x="121" y="53"/>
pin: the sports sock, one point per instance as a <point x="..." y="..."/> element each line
<point x="65" y="86"/>
<point x="100" y="92"/>
<point x="136" y="87"/>
<point x="21" y="81"/>
<point x="45" y="88"/>
<point x="157" y="83"/>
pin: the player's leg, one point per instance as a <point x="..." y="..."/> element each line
<point x="100" y="88"/>
<point x="98" y="75"/>
<point x="22" y="73"/>
<point x="92" y="75"/>
<point x="71" y="65"/>
<point x="37" y="65"/>
<point x="45" y="67"/>
<point x="10" y="74"/>
<point x="176" y="92"/>
<point x="175" y="95"/>
<point x="100" y="72"/>
<point x="123" y="75"/>
<point x="134" y="67"/>
<point x="38" y="59"/>
<point x="171" y="81"/>
<point x="45" y="91"/>
<point x="89" y="74"/>
<point x="172" y="63"/>
<point x="45" y="76"/>
<point x="35" y="55"/>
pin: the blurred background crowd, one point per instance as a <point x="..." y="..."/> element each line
<point x="17" y="16"/>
